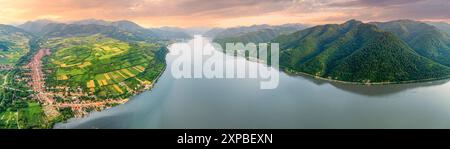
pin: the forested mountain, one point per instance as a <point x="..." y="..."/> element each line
<point x="355" y="52"/>
<point x="425" y="39"/>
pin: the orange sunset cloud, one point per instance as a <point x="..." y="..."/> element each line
<point x="208" y="13"/>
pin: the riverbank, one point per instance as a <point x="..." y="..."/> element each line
<point x="293" y="73"/>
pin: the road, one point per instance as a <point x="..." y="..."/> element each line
<point x="38" y="84"/>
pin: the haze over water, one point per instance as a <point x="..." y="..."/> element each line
<point x="298" y="102"/>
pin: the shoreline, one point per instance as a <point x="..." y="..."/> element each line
<point x="298" y="73"/>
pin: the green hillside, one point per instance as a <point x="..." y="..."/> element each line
<point x="355" y="52"/>
<point x="14" y="43"/>
<point x="425" y="39"/>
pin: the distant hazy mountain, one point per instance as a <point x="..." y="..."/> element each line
<point x="261" y="36"/>
<point x="255" y="33"/>
<point x="197" y="30"/>
<point x="169" y="32"/>
<point x="238" y="31"/>
<point x="441" y="25"/>
<point x="120" y="29"/>
<point x="355" y="52"/>
<point x="213" y="32"/>
<point x="162" y="33"/>
<point x="190" y="31"/>
<point x="91" y="21"/>
<point x="11" y="30"/>
<point x="235" y="31"/>
<point x="35" y="26"/>
<point x="172" y="29"/>
<point x="123" y="24"/>
<point x="266" y="34"/>
<point x="127" y="25"/>
<point x="289" y="28"/>
<point x="69" y="30"/>
<point x="425" y="39"/>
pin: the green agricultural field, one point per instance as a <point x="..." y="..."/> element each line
<point x="102" y="66"/>
<point x="32" y="116"/>
<point x="8" y="119"/>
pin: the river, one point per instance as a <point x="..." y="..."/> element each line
<point x="297" y="102"/>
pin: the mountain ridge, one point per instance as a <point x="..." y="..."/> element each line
<point x="90" y="26"/>
<point x="240" y="30"/>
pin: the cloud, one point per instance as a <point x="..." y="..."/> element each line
<point x="373" y="3"/>
<point x="224" y="12"/>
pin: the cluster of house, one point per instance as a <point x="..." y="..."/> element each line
<point x="6" y="67"/>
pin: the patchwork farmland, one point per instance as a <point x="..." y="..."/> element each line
<point x="96" y="68"/>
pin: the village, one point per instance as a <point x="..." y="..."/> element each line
<point x="6" y="67"/>
<point x="72" y="99"/>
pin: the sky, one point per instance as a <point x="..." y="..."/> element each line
<point x="224" y="13"/>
